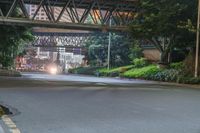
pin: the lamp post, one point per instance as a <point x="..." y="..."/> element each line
<point x="197" y="42"/>
<point x="109" y="43"/>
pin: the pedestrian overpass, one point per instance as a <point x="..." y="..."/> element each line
<point x="87" y="17"/>
<point x="51" y="39"/>
<point x="82" y="14"/>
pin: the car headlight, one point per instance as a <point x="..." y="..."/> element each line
<point x="53" y="70"/>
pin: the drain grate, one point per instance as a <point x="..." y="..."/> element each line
<point x="4" y="111"/>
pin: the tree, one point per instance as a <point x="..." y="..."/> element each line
<point x="135" y="50"/>
<point x="97" y="47"/>
<point x="12" y="40"/>
<point x="166" y="24"/>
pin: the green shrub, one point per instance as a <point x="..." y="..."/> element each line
<point x="11" y="73"/>
<point x="177" y="66"/>
<point x="114" y="72"/>
<point x="84" y="70"/>
<point x="103" y="72"/>
<point x="123" y="69"/>
<point x="165" y="75"/>
<point x="188" y="80"/>
<point x="135" y="50"/>
<point x="6" y="61"/>
<point x="140" y="62"/>
<point x="71" y="70"/>
<point x="143" y="72"/>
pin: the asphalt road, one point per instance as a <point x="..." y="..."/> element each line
<point x="145" y="108"/>
<point x="79" y="78"/>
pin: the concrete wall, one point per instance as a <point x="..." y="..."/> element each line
<point x="151" y="54"/>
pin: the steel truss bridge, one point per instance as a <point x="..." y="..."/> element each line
<point x="71" y="40"/>
<point x="82" y="14"/>
<point x="63" y="39"/>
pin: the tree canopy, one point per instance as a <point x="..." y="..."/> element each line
<point x="12" y="39"/>
<point x="97" y="47"/>
<point x="165" y="24"/>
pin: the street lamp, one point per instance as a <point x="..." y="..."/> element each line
<point x="197" y="42"/>
<point x="109" y="44"/>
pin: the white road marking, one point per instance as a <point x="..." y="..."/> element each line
<point x="1" y="130"/>
<point x="10" y="124"/>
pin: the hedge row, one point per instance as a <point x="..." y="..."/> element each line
<point x="174" y="73"/>
<point x="11" y="73"/>
<point x="84" y="70"/>
<point x="114" y="72"/>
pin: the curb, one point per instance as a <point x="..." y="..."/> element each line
<point x="147" y="82"/>
<point x="197" y="86"/>
<point x="180" y="85"/>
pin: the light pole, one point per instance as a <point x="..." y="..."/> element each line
<point x="109" y="43"/>
<point x="197" y="42"/>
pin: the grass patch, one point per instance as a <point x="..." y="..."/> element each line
<point x="114" y="72"/>
<point x="143" y="72"/>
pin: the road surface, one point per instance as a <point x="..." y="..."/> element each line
<point x="79" y="78"/>
<point x="99" y="108"/>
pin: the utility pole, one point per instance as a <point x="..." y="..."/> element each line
<point x="109" y="43"/>
<point x="197" y="42"/>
